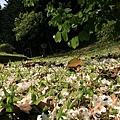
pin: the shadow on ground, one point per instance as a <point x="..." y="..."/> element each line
<point x="7" y="58"/>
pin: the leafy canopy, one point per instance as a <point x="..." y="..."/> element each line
<point x="26" y="22"/>
<point x="85" y="17"/>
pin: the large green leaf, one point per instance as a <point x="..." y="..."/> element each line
<point x="55" y="20"/>
<point x="75" y="42"/>
<point x="66" y="26"/>
<point x="80" y="14"/>
<point x="83" y="36"/>
<point x="58" y="37"/>
<point x="65" y="35"/>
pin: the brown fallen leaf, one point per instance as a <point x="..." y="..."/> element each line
<point x="75" y="64"/>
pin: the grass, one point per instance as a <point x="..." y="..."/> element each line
<point x="99" y="48"/>
<point x="91" y="93"/>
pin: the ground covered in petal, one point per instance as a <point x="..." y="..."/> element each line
<point x="90" y="93"/>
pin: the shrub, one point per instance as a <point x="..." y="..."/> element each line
<point x="6" y="48"/>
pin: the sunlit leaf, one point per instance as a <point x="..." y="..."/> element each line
<point x="74" y="26"/>
<point x="69" y="43"/>
<point x="58" y="37"/>
<point x="65" y="35"/>
<point x="75" y="42"/>
<point x="80" y="14"/>
<point x="66" y="26"/>
<point x="88" y="8"/>
<point x="59" y="27"/>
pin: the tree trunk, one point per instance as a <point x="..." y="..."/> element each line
<point x="49" y="44"/>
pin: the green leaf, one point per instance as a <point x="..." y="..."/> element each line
<point x="85" y="18"/>
<point x="33" y="97"/>
<point x="69" y="44"/>
<point x="60" y="11"/>
<point x="98" y="27"/>
<point x="80" y="14"/>
<point x="32" y="4"/>
<point x="59" y="113"/>
<point x="83" y="36"/>
<point x="75" y="42"/>
<point x="58" y="37"/>
<point x="67" y="104"/>
<point x="76" y="100"/>
<point x="55" y="20"/>
<point x="74" y="26"/>
<point x="67" y="10"/>
<point x="65" y="35"/>
<point x="90" y="92"/>
<point x="88" y="8"/>
<point x="59" y="27"/>
<point x="5" y="92"/>
<point x="51" y="93"/>
<point x="69" y="15"/>
<point x="39" y="99"/>
<point x="66" y="26"/>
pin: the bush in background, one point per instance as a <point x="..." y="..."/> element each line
<point x="6" y="48"/>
